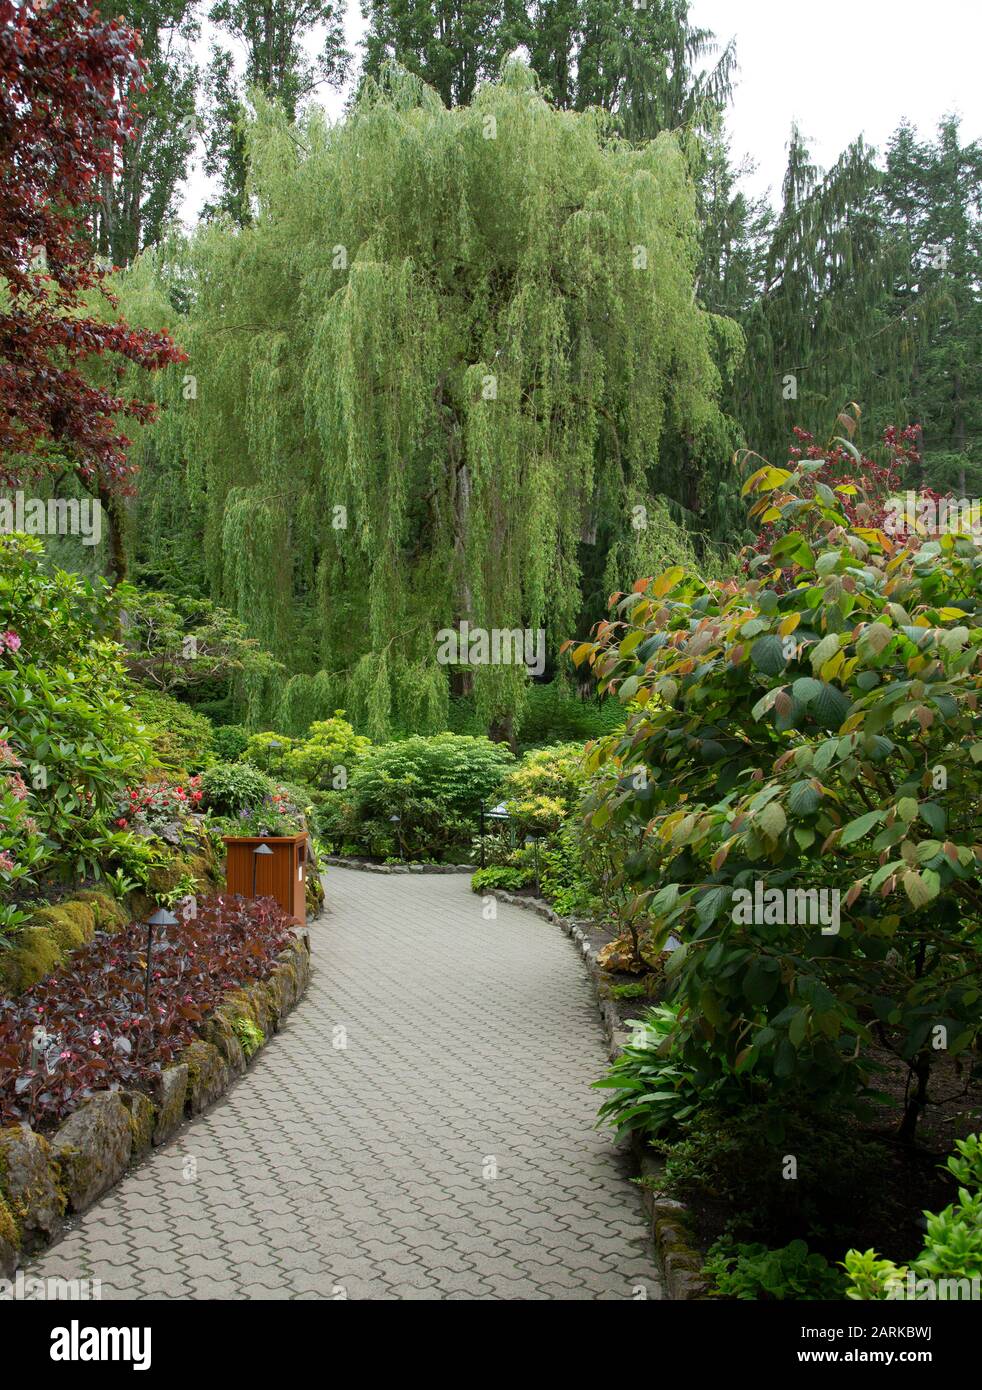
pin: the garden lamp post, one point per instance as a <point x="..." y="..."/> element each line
<point x="497" y="813"/>
<point x="534" y="837"/>
<point x="260" y="849"/>
<point x="397" y="822"/>
<point x="161" y="918"/>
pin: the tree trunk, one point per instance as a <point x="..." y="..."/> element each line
<point x="921" y="1069"/>
<point x="114" y="518"/>
<point x="502" y="730"/>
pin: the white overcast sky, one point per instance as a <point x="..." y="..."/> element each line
<point x="840" y="68"/>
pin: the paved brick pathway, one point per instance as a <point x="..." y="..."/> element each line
<point x="422" y="1128"/>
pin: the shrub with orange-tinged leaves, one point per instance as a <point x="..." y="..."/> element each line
<point x="811" y="727"/>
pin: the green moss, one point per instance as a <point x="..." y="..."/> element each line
<point x="9" y="1234"/>
<point x="142" y="1117"/>
<point x="200" y="863"/>
<point x="109" y="914"/>
<point x="52" y="933"/>
<point x="35" y="955"/>
<point x="21" y="1206"/>
<point x="71" y="924"/>
<point x="239" y="1004"/>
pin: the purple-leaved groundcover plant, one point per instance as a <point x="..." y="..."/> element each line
<point x="84" y="1029"/>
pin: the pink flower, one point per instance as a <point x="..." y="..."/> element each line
<point x="6" y="862"/>
<point x="8" y="758"/>
<point x="18" y="787"/>
<point x="10" y="640"/>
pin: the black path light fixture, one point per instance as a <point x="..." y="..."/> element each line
<point x="161" y="918"/>
<point x="498" y="813"/>
<point x="535" y="836"/>
<point x="259" y="850"/>
<point x="397" y="822"/>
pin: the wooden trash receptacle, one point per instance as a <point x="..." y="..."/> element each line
<point x="281" y="875"/>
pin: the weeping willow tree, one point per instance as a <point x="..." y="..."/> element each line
<point x="454" y="353"/>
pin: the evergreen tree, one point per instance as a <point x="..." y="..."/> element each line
<point x="272" y="34"/>
<point x="451" y="44"/>
<point x="932" y="193"/>
<point x="822" y="330"/>
<point x="138" y="198"/>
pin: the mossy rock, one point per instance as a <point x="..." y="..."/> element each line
<point x="208" y="1075"/>
<point x="219" y="1030"/>
<point x="200" y="862"/>
<point x="285" y="986"/>
<point x="29" y="1185"/>
<point x="93" y="1148"/>
<point x="171" y="1095"/>
<point x="34" y="956"/>
<point x="71" y="924"/>
<point x="110" y="914"/>
<point x="258" y="1003"/>
<point x="9" y="1241"/>
<point x="52" y="933"/>
<point x="142" y="1118"/>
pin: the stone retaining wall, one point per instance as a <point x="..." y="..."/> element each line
<point x="44" y="1178"/>
<point x="366" y="866"/>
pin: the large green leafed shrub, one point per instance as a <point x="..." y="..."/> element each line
<point x="417" y="798"/>
<point x="800" y="775"/>
<point x="65" y="712"/>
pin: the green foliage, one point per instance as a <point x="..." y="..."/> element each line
<point x="64" y="693"/>
<point x="434" y="786"/>
<point x="810" y="729"/>
<point x="327" y="757"/>
<point x="730" y="1162"/>
<point x="268" y="751"/>
<point x="181" y="738"/>
<point x="135" y="207"/>
<point x="755" y="1272"/>
<point x="249" y="1034"/>
<point x="228" y="788"/>
<point x="176" y="643"/>
<point x="544" y="788"/>
<point x="499" y="876"/>
<point x="566" y="879"/>
<point x="952" y="1254"/>
<point x="553" y="713"/>
<point x="280" y="61"/>
<point x="655" y="1093"/>
<point x="229" y="742"/>
<point x="483" y="369"/>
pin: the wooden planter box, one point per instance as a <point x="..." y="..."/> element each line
<point x="281" y="875"/>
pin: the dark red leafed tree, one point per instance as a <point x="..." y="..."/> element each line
<point x="67" y="79"/>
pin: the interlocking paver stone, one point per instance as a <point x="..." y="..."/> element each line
<point x="421" y="1128"/>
